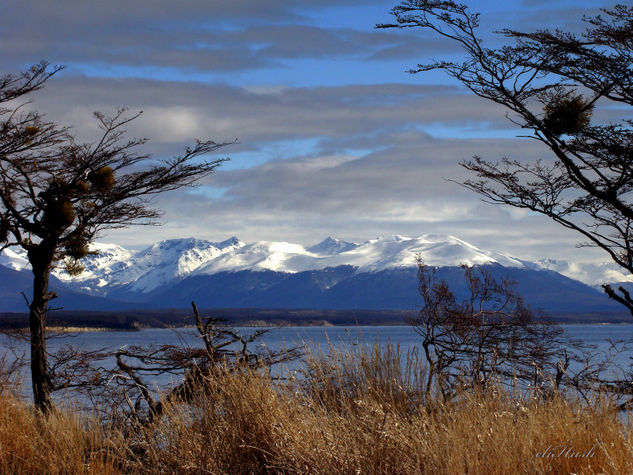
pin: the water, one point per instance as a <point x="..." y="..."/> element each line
<point x="313" y="337"/>
<point x="319" y="338"/>
<point x="599" y="334"/>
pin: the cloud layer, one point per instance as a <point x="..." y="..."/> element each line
<point x="334" y="138"/>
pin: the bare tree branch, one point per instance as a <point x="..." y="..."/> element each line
<point x="587" y="182"/>
<point x="57" y="195"/>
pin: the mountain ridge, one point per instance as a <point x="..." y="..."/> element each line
<point x="377" y="273"/>
<point x="180" y="257"/>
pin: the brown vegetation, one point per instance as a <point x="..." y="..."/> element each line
<point x="353" y="411"/>
<point x="60" y="443"/>
<point x="490" y="336"/>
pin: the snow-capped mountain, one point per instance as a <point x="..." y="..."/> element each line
<point x="14" y="258"/>
<point x="147" y="269"/>
<point x="330" y="246"/>
<point x="589" y="273"/>
<point x="371" y="256"/>
<point x="173" y="260"/>
<point x="378" y="273"/>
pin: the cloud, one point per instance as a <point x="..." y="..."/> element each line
<point x="348" y="116"/>
<point x="334" y="139"/>
<point x="350" y="161"/>
<point x="214" y="37"/>
<point x="401" y="189"/>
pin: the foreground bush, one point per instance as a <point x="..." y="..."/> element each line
<point x="353" y="413"/>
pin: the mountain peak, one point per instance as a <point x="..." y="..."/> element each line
<point x="179" y="243"/>
<point x="331" y="246"/>
<point x="230" y="242"/>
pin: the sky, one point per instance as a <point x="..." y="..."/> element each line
<point x="332" y="136"/>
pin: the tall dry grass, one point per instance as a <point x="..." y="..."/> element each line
<point x="63" y="442"/>
<point x="357" y="411"/>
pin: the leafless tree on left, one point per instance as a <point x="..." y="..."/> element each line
<point x="57" y="194"/>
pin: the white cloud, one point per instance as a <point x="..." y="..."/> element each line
<point x="353" y="161"/>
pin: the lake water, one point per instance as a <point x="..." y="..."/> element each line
<point x="311" y="337"/>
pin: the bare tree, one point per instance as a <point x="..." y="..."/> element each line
<point x="57" y="194"/>
<point x="550" y="82"/>
<point x="488" y="337"/>
<point x="224" y="350"/>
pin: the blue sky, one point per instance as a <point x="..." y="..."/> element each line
<point x="334" y="137"/>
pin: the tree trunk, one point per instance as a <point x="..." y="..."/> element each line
<point x="37" y="321"/>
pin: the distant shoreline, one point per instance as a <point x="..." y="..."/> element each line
<point x="74" y="329"/>
<point x="259" y="324"/>
<point x="131" y="320"/>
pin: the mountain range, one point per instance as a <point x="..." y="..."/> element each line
<point x="333" y="274"/>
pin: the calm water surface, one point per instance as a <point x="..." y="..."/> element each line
<point x="319" y="338"/>
<point x="313" y="337"/>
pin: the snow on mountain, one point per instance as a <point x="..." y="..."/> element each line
<point x="14" y="258"/>
<point x="589" y="273"/>
<point x="173" y="259"/>
<point x="161" y="263"/>
<point x="400" y="251"/>
<point x="230" y="243"/>
<point x="330" y="246"/>
<point x="262" y="255"/>
<point x="170" y="261"/>
<point x="371" y="256"/>
<point x="100" y="268"/>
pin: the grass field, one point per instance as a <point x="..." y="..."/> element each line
<point x="358" y="411"/>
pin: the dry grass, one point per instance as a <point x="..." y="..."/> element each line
<point x="357" y="412"/>
<point x="63" y="442"/>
